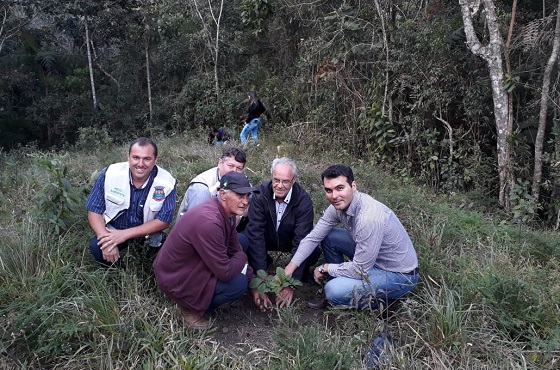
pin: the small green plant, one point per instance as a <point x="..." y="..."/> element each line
<point x="57" y="200"/>
<point x="524" y="207"/>
<point x="266" y="283"/>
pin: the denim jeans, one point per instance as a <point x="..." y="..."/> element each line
<point x="251" y="128"/>
<point x="97" y="253"/>
<point x="137" y="243"/>
<point x="379" y="285"/>
<point x="228" y="291"/>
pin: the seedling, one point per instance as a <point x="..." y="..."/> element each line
<point x="266" y="283"/>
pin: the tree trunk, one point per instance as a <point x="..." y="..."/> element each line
<point x="537" y="172"/>
<point x="492" y="54"/>
<point x="214" y="45"/>
<point x="148" y="78"/>
<point x="381" y="15"/>
<point x="90" y="64"/>
<point x="217" y="47"/>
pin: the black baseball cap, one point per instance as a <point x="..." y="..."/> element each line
<point x="236" y="182"/>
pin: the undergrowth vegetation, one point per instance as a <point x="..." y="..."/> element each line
<point x="488" y="296"/>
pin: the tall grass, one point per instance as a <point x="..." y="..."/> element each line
<point x="487" y="299"/>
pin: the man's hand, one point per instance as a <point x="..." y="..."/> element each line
<point x="109" y="243"/>
<point x="285" y="297"/>
<point x="111" y="255"/>
<point x="261" y="301"/>
<point x="318" y="276"/>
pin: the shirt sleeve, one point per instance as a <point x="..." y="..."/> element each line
<point x="196" y="194"/>
<point x="96" y="199"/>
<point x="255" y="231"/>
<point x="326" y="223"/>
<point x="225" y="261"/>
<point x="303" y="222"/>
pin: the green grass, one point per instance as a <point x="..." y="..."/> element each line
<point x="487" y="299"/>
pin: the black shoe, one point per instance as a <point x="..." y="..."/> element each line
<point x="319" y="303"/>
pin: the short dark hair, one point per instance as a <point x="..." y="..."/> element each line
<point x="237" y="154"/>
<point x="337" y="170"/>
<point x="143" y="141"/>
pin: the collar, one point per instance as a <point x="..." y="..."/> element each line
<point x="353" y="207"/>
<point x="218" y="173"/>
<point x="152" y="173"/>
<point x="288" y="196"/>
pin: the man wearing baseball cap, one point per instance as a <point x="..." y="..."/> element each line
<point x="201" y="265"/>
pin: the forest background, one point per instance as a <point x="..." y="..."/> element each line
<point x="458" y="97"/>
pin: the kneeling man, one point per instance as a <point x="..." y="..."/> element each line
<point x="201" y="264"/>
<point x="368" y="261"/>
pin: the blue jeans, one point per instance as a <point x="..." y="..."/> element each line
<point x="379" y="285"/>
<point x="251" y="128"/>
<point x="228" y="291"/>
<point x="97" y="253"/>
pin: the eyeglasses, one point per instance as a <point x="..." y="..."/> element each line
<point x="285" y="183"/>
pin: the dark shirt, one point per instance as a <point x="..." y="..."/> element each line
<point x="254" y="111"/>
<point x="295" y="224"/>
<point x="222" y="135"/>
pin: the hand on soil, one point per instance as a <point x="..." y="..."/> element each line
<point x="285" y="297"/>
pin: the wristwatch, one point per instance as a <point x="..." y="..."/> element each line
<point x="322" y="269"/>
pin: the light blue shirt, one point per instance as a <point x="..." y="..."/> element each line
<point x="381" y="240"/>
<point x="281" y="207"/>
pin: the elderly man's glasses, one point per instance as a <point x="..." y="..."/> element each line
<point x="283" y="182"/>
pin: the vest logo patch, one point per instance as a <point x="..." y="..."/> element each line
<point x="159" y="193"/>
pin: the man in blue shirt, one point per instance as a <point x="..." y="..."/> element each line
<point x="131" y="202"/>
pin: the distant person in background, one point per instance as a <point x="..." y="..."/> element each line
<point x="131" y="203"/>
<point x="253" y="120"/>
<point x="205" y="185"/>
<point x="280" y="216"/>
<point x="220" y="135"/>
<point x="201" y="265"/>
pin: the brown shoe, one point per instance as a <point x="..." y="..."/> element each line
<point x="319" y="303"/>
<point x="192" y="320"/>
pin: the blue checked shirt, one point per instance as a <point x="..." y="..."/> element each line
<point x="134" y="215"/>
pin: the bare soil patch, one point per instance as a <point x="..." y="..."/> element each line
<point x="241" y="325"/>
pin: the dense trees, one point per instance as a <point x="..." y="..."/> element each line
<point x="395" y="80"/>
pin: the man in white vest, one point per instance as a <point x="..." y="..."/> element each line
<point x="131" y="203"/>
<point x="205" y="185"/>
